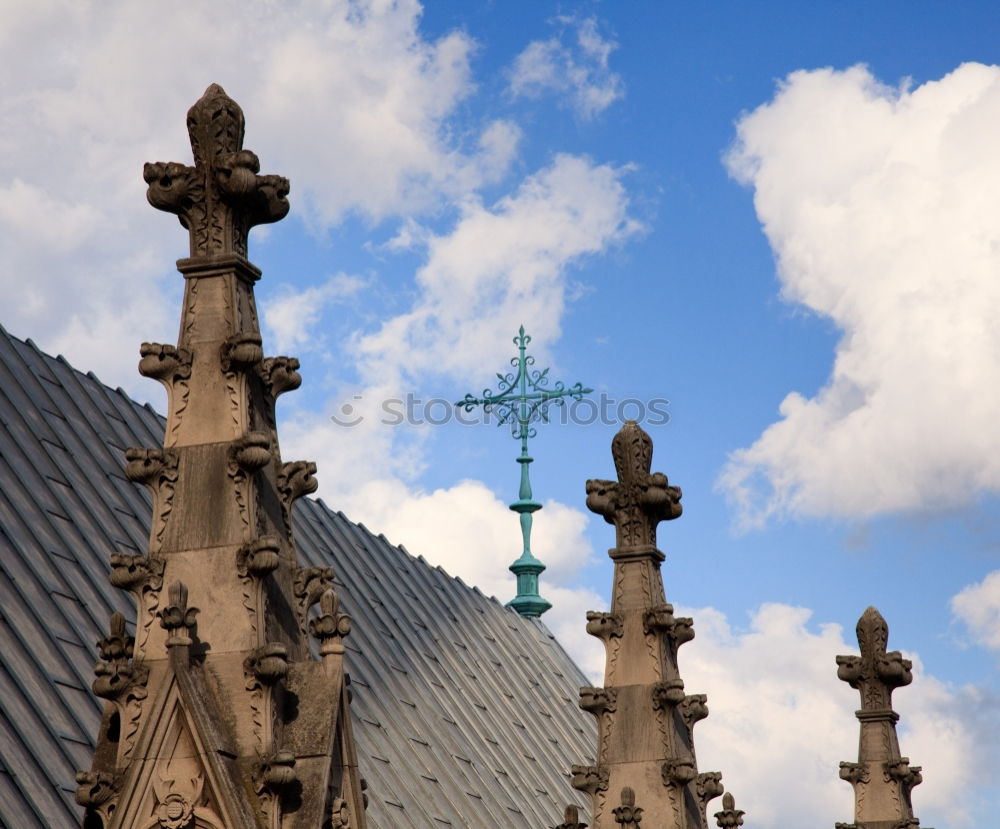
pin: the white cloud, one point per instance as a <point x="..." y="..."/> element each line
<point x="499" y="267"/>
<point x="370" y="473"/>
<point x="496" y="268"/>
<point x="347" y="99"/>
<point x="370" y="98"/>
<point x="879" y="204"/>
<point x="360" y="110"/>
<point x="781" y="722"/>
<point x="574" y="64"/>
<point x="978" y="606"/>
<point x="290" y="316"/>
<point x="568" y="622"/>
<point x="472" y="534"/>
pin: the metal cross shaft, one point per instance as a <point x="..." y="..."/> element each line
<point x="523" y="398"/>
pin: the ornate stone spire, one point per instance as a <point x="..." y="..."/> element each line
<point x="646" y="772"/>
<point x="881" y="778"/>
<point x="219" y="716"/>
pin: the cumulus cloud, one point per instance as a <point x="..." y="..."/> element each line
<point x="360" y="110"/>
<point x="290" y="317"/>
<point x="978" y="607"/>
<point x="497" y="267"/>
<point x="501" y="266"/>
<point x="472" y="534"/>
<point x="574" y="65"/>
<point x="879" y="203"/>
<point x="347" y="99"/>
<point x="781" y="721"/>
<point x="372" y="474"/>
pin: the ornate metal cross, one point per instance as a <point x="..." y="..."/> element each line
<point x="522" y="399"/>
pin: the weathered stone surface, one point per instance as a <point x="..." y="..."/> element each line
<point x="882" y="778"/>
<point x="646" y="773"/>
<point x="218" y="716"/>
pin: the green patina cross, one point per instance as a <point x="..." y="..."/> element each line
<point x="522" y="398"/>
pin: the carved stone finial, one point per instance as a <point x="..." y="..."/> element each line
<point x="331" y="626"/>
<point x="177" y="618"/>
<point x="876" y="672"/>
<point x="202" y="742"/>
<point x="222" y="196"/>
<point x="571" y="819"/>
<point x="115" y="673"/>
<point x="628" y="815"/>
<point x="638" y="500"/>
<point x="645" y="718"/>
<point x="730" y="817"/>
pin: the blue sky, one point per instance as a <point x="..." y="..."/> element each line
<point x="780" y="217"/>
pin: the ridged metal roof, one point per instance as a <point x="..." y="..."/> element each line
<point x="464" y="713"/>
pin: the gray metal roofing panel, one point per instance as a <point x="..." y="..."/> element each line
<point x="464" y="713"/>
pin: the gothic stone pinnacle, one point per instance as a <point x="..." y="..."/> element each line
<point x="645" y="719"/>
<point x="882" y="778"/>
<point x="221" y="537"/>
